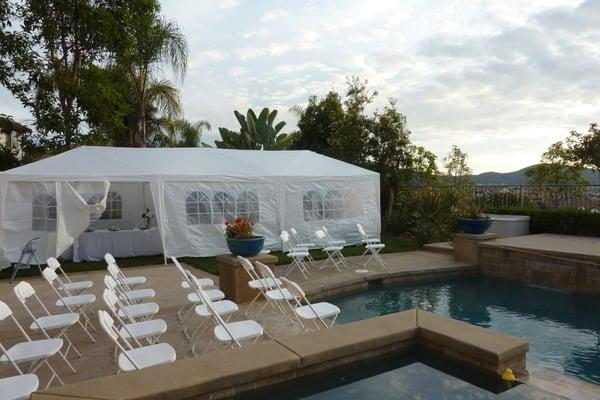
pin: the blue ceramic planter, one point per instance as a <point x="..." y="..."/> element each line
<point x="474" y="226"/>
<point x="246" y="247"/>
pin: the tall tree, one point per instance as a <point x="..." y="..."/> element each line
<point x="180" y="133"/>
<point x="44" y="48"/>
<point x="389" y="153"/>
<point x="317" y="121"/>
<point x="423" y="165"/>
<point x="457" y="170"/>
<point x="584" y="148"/>
<point x="145" y="43"/>
<point x="349" y="140"/>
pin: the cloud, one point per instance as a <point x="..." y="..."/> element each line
<point x="274" y="15"/>
<point x="227" y="4"/>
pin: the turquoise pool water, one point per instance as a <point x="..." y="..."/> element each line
<point x="563" y="329"/>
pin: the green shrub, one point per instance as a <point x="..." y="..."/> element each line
<point x="566" y="221"/>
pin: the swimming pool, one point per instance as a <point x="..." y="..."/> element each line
<point x="563" y="329"/>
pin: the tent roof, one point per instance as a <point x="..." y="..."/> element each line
<point x="126" y="163"/>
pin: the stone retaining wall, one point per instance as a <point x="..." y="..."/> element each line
<point x="227" y="373"/>
<point x="558" y="271"/>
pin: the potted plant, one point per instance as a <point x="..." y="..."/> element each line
<point x="241" y="240"/>
<point x="473" y="220"/>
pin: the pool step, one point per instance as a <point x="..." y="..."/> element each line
<point x="441" y="247"/>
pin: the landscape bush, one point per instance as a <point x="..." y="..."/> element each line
<point x="566" y="221"/>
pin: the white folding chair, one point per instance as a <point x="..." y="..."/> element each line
<point x="304" y="309"/>
<point x="297" y="254"/>
<point x="73" y="287"/>
<point x="192" y="299"/>
<point x="256" y="282"/>
<point x="278" y="297"/>
<point x="141" y="311"/>
<point x="34" y="352"/>
<point x="125" y="292"/>
<point x="332" y="240"/>
<point x="50" y="322"/>
<point x="225" y="309"/>
<point x="334" y="252"/>
<point x="131" y="281"/>
<point x="297" y="241"/>
<point x="151" y="330"/>
<point x="134" y="358"/>
<point x="78" y="303"/>
<point x="231" y="333"/>
<point x="374" y="246"/>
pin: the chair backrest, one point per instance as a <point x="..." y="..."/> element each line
<point x="110" y="299"/>
<point x="49" y="275"/>
<point x="362" y="232"/>
<point x="320" y="235"/>
<point x="294" y="289"/>
<point x="109" y="259"/>
<point x="293" y="231"/>
<point x="23" y="290"/>
<point x="5" y="311"/>
<point x="113" y="270"/>
<point x="53" y="263"/>
<point x="110" y="282"/>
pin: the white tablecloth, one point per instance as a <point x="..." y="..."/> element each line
<point x="91" y="246"/>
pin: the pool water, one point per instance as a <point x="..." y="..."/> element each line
<point x="563" y="329"/>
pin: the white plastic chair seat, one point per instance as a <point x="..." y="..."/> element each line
<point x="370" y="241"/>
<point x="223" y="307"/>
<point x="323" y="310"/>
<point x="144" y="329"/>
<point x="139" y="294"/>
<point x="240" y="330"/>
<point x="375" y="246"/>
<point x="34" y="350"/>
<point x="213" y="295"/>
<point x="57" y="321"/>
<point x="333" y="248"/>
<point x="296" y="249"/>
<point x="75" y="301"/>
<point x="279" y="295"/>
<point x="147" y="356"/>
<point x="139" y="310"/>
<point x="18" y="387"/>
<point x="306" y="245"/>
<point x="202" y="282"/>
<point x="135" y="280"/>
<point x="337" y="242"/>
<point x="294" y="254"/>
<point x="268" y="283"/>
<point x="76" y="286"/>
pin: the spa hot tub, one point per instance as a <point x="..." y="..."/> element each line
<point x="509" y="225"/>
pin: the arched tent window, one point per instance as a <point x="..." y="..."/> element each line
<point x="334" y="205"/>
<point x="114" y="205"/>
<point x="44" y="213"/>
<point x="313" y="206"/>
<point x="223" y="207"/>
<point x="247" y="205"/>
<point x="197" y="208"/>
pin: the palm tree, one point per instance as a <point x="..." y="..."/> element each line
<point x="181" y="133"/>
<point x="146" y="43"/>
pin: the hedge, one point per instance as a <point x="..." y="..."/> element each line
<point x="566" y="221"/>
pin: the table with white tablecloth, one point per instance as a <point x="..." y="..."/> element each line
<point x="91" y="246"/>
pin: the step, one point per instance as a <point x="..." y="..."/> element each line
<point x="441" y="247"/>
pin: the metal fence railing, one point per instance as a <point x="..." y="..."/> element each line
<point x="564" y="196"/>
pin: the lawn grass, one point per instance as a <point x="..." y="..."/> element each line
<point x="209" y="264"/>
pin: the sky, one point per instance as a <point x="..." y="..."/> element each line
<point x="501" y="79"/>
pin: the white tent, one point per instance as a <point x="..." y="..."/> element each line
<point x="191" y="191"/>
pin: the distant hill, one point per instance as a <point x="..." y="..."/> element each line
<point x="518" y="177"/>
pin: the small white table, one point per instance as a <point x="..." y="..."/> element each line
<point x="91" y="246"/>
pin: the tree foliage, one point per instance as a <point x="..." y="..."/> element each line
<point x="458" y="171"/>
<point x="256" y="132"/>
<point x="317" y="121"/>
<point x="556" y="168"/>
<point x="584" y="148"/>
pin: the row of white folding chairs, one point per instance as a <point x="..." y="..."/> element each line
<point x="287" y="298"/>
<point x="129" y="321"/>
